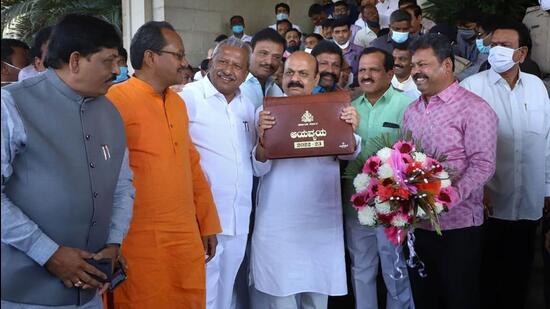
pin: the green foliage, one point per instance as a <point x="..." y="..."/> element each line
<point x="29" y="16"/>
<point x="446" y="11"/>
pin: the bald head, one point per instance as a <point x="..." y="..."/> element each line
<point x="300" y="74"/>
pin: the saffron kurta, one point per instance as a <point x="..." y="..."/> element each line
<point x="173" y="204"/>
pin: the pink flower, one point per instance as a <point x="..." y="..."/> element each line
<point x="395" y="234"/>
<point x="401" y="220"/>
<point x="447" y="196"/>
<point x="372" y="165"/>
<point x="360" y="200"/>
<point x="404" y="147"/>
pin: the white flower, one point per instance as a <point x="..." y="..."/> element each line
<point x="383" y="208"/>
<point x="384" y="154"/>
<point x="385" y="171"/>
<point x="399" y="220"/>
<point x="367" y="216"/>
<point x="438" y="207"/>
<point x="419" y="157"/>
<point x="420" y="213"/>
<point x="361" y="182"/>
<point x="445" y="181"/>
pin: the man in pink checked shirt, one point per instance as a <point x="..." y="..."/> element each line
<point x="450" y="120"/>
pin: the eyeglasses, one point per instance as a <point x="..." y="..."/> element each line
<point x="178" y="56"/>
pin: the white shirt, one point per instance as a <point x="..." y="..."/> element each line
<point x="384" y="11"/>
<point x="408" y="87"/>
<point x="298" y="241"/>
<point x="318" y="29"/>
<point x="252" y="90"/>
<point x="198" y="76"/>
<point x="522" y="176"/>
<point x="224" y="135"/>
<point x="365" y="35"/>
<point x="244" y="38"/>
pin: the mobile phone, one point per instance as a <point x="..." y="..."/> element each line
<point x="118" y="277"/>
<point x="105" y="266"/>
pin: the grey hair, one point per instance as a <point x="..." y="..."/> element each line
<point x="235" y="42"/>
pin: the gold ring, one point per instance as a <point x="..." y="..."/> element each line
<point x="78" y="284"/>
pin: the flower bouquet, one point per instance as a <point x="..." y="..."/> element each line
<point x="399" y="186"/>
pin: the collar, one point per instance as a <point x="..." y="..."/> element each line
<point x="494" y="77"/>
<point x="445" y="95"/>
<point x="144" y="86"/>
<point x="210" y="90"/>
<point x="62" y="87"/>
<point x="383" y="99"/>
<point x="320" y="89"/>
<point x="394" y="78"/>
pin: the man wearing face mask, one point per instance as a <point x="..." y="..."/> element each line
<point x="311" y="40"/>
<point x="341" y="34"/>
<point x="537" y="20"/>
<point x="381" y="109"/>
<point x="282" y="12"/>
<point x="342" y="12"/>
<point x="14" y="59"/>
<point x="402" y="79"/>
<point x="520" y="187"/>
<point x="400" y="25"/>
<point x="317" y="15"/>
<point x="330" y="60"/>
<point x="122" y="66"/>
<point x="237" y="28"/>
<point x="293" y="39"/>
<point x="484" y="29"/>
<point x="368" y="22"/>
<point x="465" y="46"/>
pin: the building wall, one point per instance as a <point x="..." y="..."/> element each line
<point x="200" y="21"/>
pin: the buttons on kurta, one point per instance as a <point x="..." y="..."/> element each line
<point x="88" y="136"/>
<point x="92" y="164"/>
<point x="96" y="194"/>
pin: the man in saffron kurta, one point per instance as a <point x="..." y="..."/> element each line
<point x="174" y="208"/>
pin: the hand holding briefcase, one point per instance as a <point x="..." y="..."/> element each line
<point x="308" y="126"/>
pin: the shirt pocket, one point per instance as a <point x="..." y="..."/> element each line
<point x="535" y="121"/>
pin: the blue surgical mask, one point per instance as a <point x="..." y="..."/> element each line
<point x="466" y="34"/>
<point x="399" y="37"/>
<point x="122" y="76"/>
<point x="282" y="16"/>
<point x="237" y="29"/>
<point x="481" y="47"/>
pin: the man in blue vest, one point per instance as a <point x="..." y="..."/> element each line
<point x="67" y="190"/>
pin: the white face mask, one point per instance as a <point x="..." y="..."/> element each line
<point x="343" y="46"/>
<point x="544" y="5"/>
<point x="501" y="58"/>
<point x="308" y="50"/>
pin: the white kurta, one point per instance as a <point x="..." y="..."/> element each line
<point x="298" y="241"/>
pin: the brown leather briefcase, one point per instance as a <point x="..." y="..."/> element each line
<point x="308" y="126"/>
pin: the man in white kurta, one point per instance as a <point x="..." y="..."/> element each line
<point x="221" y="124"/>
<point x="297" y="256"/>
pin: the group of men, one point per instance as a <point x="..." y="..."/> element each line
<point x="162" y="183"/>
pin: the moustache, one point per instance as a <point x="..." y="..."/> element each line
<point x="364" y="80"/>
<point x="294" y="84"/>
<point x="419" y="75"/>
<point x="268" y="67"/>
<point x="226" y="76"/>
<point x="329" y="74"/>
